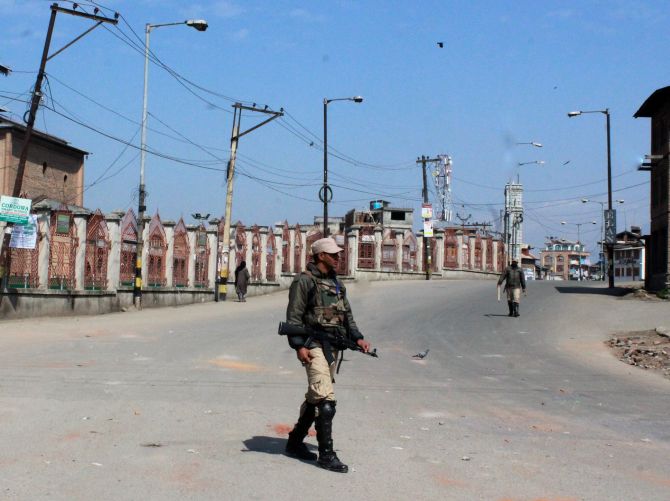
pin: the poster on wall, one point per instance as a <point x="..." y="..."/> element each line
<point x="25" y="236"/>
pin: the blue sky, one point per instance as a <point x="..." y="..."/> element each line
<point x="509" y="72"/>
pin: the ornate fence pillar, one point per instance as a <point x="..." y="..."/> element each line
<point x="80" y="222"/>
<point x="352" y="243"/>
<point x="471" y="245"/>
<point x="264" y="254"/>
<point x="399" y="243"/>
<point x="439" y="250"/>
<point x="379" y="238"/>
<point x="113" y="222"/>
<point x="44" y="246"/>
<point x="213" y="241"/>
<point x="459" y="253"/>
<point x="168" y="226"/>
<point x="192" y="234"/>
<point x="291" y="246"/>
<point x="420" y="257"/>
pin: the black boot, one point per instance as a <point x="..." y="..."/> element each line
<point x="295" y="446"/>
<point x="510" y="305"/>
<point x="324" y="435"/>
<point x="516" y="309"/>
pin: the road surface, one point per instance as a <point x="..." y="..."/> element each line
<point x="195" y="402"/>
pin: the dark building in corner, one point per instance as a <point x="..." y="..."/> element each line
<point x="657" y="107"/>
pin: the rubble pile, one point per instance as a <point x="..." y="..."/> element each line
<point x="646" y="349"/>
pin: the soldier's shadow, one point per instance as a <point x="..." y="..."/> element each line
<point x="495" y="315"/>
<point x="269" y="445"/>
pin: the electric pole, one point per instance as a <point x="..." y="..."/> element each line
<point x="222" y="290"/>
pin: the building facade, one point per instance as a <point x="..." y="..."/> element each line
<point x="657" y="107"/>
<point x="629" y="256"/>
<point x="54" y="169"/>
<point x="564" y="259"/>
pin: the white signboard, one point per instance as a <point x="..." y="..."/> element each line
<point x="428" y="228"/>
<point x="14" y="210"/>
<point x="427" y="211"/>
<point x="25" y="236"/>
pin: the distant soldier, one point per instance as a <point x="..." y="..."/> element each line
<point x="515" y="282"/>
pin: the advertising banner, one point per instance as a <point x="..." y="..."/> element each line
<point x="14" y="210"/>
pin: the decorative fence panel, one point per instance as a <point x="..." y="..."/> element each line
<point x="180" y="255"/>
<point x="409" y="248"/>
<point x="256" y="253"/>
<point x="450" y="249"/>
<point x="156" y="253"/>
<point x="128" y="248"/>
<point x="63" y="251"/>
<point x="97" y="253"/>
<point x="366" y="249"/>
<point x="389" y="251"/>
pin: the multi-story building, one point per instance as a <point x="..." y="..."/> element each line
<point x="564" y="258"/>
<point x="657" y="107"/>
<point x="629" y="256"/>
<point x="54" y="169"/>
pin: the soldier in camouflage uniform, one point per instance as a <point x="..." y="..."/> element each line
<point x="318" y="299"/>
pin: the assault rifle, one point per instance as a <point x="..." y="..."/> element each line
<point x="327" y="339"/>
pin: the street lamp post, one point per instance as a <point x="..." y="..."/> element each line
<point x="603" y="257"/>
<point x="533" y="143"/>
<point x="610" y="245"/>
<point x="326" y="193"/>
<point x="199" y="25"/>
<point x="579" y="252"/>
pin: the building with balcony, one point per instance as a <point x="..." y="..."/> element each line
<point x="564" y="259"/>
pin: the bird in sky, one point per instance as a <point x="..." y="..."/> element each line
<point x="421" y="354"/>
<point x="440" y="45"/>
<point x="566" y="162"/>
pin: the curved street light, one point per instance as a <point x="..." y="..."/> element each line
<point x="538" y="162"/>
<point x="200" y="25"/>
<point x="533" y="143"/>
<point x="326" y="193"/>
<point x="610" y="246"/>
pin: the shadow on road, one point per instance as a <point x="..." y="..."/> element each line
<point x="268" y="445"/>
<point x="271" y="445"/>
<point x="603" y="291"/>
<point x="496" y="315"/>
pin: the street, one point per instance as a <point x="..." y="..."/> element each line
<point x="196" y="402"/>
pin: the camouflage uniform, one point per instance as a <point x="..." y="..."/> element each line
<point x="319" y="301"/>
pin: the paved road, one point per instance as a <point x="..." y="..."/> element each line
<point x="195" y="402"/>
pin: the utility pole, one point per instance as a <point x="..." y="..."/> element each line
<point x="427" y="255"/>
<point x="222" y="289"/>
<point x="35" y="102"/>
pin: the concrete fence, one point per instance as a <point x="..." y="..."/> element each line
<point x="84" y="262"/>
